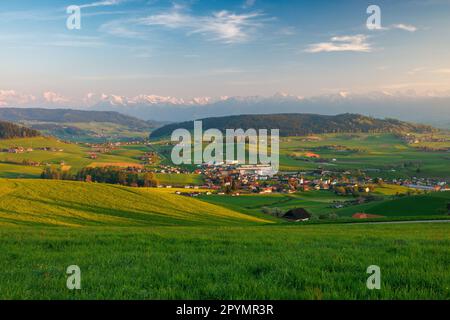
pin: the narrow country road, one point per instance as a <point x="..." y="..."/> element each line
<point x="401" y="222"/>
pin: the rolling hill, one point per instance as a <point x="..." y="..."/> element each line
<point x="301" y="124"/>
<point x="80" y="125"/>
<point x="75" y="204"/>
<point x="70" y="116"/>
<point x="432" y="204"/>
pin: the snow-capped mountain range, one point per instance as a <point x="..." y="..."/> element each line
<point x="427" y="107"/>
<point x="433" y="108"/>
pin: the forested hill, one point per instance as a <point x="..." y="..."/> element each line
<point x="10" y="130"/>
<point x="301" y="124"/>
<point x="71" y="116"/>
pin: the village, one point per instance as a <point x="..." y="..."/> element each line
<point x="233" y="178"/>
<point x="238" y="179"/>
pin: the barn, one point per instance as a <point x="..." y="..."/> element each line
<point x="298" y="214"/>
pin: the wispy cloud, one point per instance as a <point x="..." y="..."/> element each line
<point x="248" y="4"/>
<point x="63" y="40"/>
<point x="222" y="26"/>
<point x="102" y="3"/>
<point x="356" y="43"/>
<point x="416" y="70"/>
<point x="120" y="28"/>
<point x="406" y="27"/>
<point x="287" y="31"/>
<point x="443" y="71"/>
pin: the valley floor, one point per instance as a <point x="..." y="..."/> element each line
<point x="226" y="262"/>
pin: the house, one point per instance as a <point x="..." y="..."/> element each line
<point x="365" y="216"/>
<point x="312" y="155"/>
<point x="297" y="215"/>
<point x="16" y="150"/>
<point x="266" y="190"/>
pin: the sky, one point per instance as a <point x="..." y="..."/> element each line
<point x="215" y="48"/>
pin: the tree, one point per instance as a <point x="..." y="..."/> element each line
<point x="150" y="180"/>
<point x="340" y="190"/>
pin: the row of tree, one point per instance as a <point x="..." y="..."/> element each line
<point x="103" y="175"/>
<point x="10" y="130"/>
<point x="300" y="124"/>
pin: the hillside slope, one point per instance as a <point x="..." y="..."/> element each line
<point x="70" y="116"/>
<point x="65" y="203"/>
<point x="432" y="204"/>
<point x="80" y="125"/>
<point x="300" y="124"/>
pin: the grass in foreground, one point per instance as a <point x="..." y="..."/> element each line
<point x="260" y="262"/>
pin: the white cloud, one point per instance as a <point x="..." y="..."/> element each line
<point x="119" y="28"/>
<point x="102" y="3"/>
<point x="406" y="27"/>
<point x="416" y="70"/>
<point x="222" y="26"/>
<point x="356" y="43"/>
<point x="287" y="31"/>
<point x="248" y="3"/>
<point x="54" y="98"/>
<point x="13" y="98"/>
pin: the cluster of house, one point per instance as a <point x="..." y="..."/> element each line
<point x="412" y="139"/>
<point x="149" y="157"/>
<point x="20" y="149"/>
<point x="171" y="169"/>
<point x="261" y="179"/>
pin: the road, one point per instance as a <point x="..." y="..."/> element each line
<point x="402" y="222"/>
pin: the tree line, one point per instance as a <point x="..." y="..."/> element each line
<point x="10" y="130"/>
<point x="300" y="124"/>
<point x="103" y="175"/>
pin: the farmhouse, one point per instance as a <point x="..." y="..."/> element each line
<point x="365" y="216"/>
<point x="312" y="155"/>
<point x="297" y="215"/>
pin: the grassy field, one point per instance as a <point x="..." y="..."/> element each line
<point x="254" y="262"/>
<point x="381" y="155"/>
<point x="179" y="179"/>
<point x="152" y="244"/>
<point x="67" y="203"/>
<point x="384" y="155"/>
<point x="95" y="132"/>
<point x="320" y="202"/>
<point x="74" y="155"/>
<point x="432" y="204"/>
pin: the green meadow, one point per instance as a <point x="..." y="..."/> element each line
<point x="226" y="262"/>
<point x="153" y="244"/>
<point x="76" y="156"/>
<point x="75" y="204"/>
<point x="179" y="179"/>
<point x="381" y="155"/>
<point x="384" y="155"/>
<point x="426" y="206"/>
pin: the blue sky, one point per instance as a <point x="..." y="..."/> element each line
<point x="220" y="48"/>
